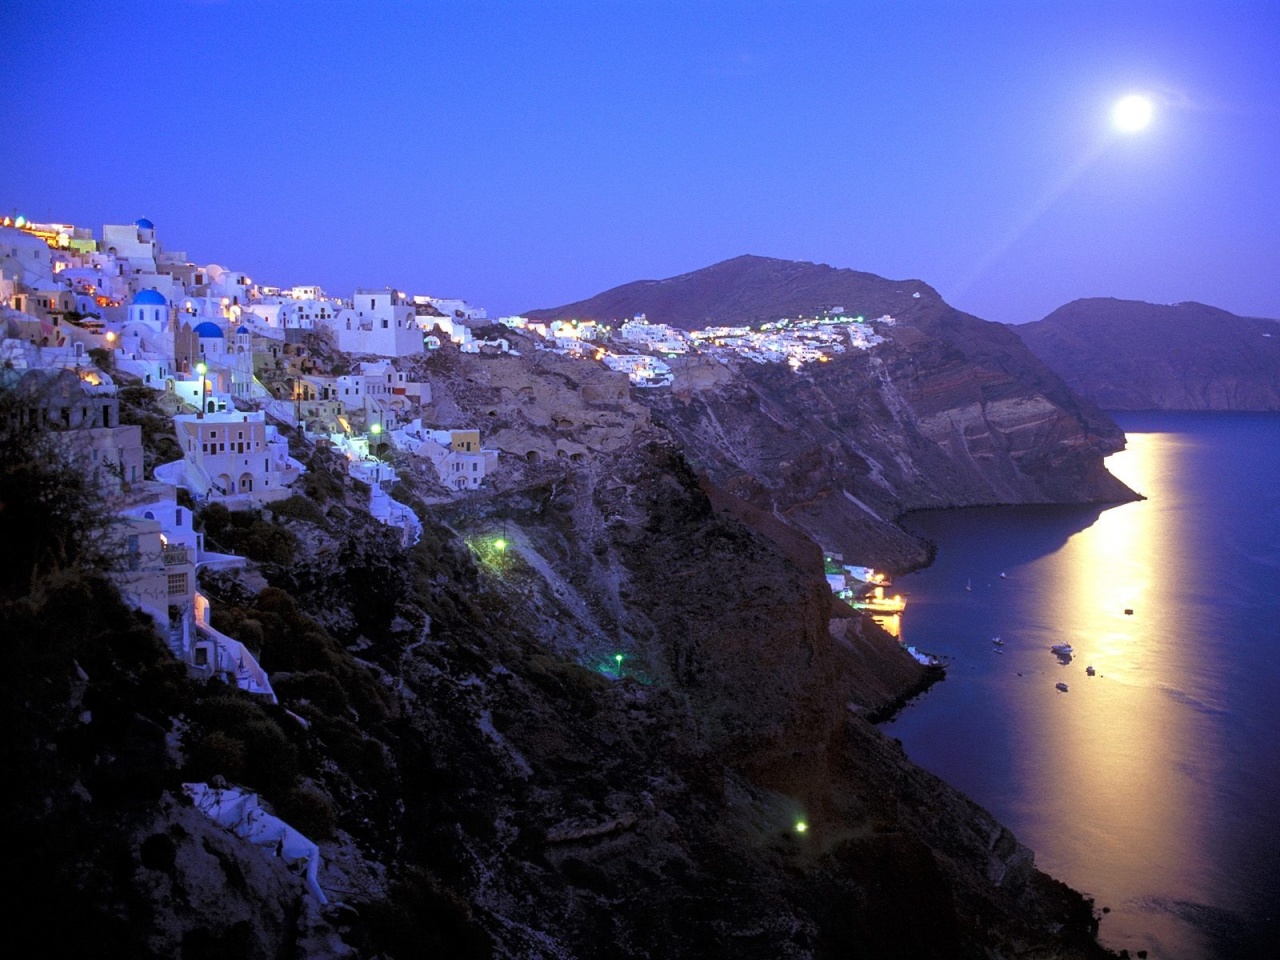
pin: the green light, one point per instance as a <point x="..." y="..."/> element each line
<point x="500" y="544"/>
<point x="801" y="826"/>
<point x="618" y="659"/>
<point x="201" y="369"/>
<point x="375" y="428"/>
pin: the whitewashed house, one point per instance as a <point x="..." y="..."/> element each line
<point x="232" y="456"/>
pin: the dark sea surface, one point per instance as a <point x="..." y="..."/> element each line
<point x="1154" y="785"/>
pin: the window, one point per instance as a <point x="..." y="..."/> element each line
<point x="177" y="583"/>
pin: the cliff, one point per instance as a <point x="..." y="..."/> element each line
<point x="1129" y="355"/>
<point x="951" y="411"/>
<point x="484" y="777"/>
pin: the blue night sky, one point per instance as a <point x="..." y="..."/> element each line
<point x="528" y="154"/>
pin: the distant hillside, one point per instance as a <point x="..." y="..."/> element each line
<point x="750" y="289"/>
<point x="1130" y="355"/>
<point x="949" y="410"/>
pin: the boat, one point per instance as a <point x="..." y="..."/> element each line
<point x="997" y="641"/>
<point x="1003" y="575"/>
<point x="1061" y="686"/>
<point x="1089" y="670"/>
<point x="968" y="585"/>
<point x="1061" y="649"/>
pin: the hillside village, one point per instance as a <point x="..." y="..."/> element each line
<point x="251" y="376"/>
<point x="556" y="460"/>
<point x="237" y="360"/>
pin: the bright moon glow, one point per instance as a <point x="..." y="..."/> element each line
<point x="1132" y="113"/>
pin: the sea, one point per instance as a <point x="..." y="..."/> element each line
<point x="1152" y="784"/>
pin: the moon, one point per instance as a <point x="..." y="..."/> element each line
<point x="1132" y="113"/>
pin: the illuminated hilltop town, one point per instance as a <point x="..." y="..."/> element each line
<point x="234" y="361"/>
<point x="251" y="375"/>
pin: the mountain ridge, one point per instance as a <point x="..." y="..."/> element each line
<point x="747" y="289"/>
<point x="1134" y="355"/>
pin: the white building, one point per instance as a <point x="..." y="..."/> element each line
<point x="460" y="462"/>
<point x="379" y="322"/>
<point x="232" y="456"/>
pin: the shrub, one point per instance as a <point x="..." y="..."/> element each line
<point x="299" y="508"/>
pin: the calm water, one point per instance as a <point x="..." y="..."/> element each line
<point x="1153" y="786"/>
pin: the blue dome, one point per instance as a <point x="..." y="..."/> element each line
<point x="149" y="298"/>
<point x="144" y="224"/>
<point x="208" y="329"/>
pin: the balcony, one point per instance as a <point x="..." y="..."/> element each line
<point x="173" y="556"/>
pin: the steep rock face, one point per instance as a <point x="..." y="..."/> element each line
<point x="1129" y="355"/>
<point x="480" y="786"/>
<point x="951" y="411"/>
<point x="656" y="815"/>
<point x="840" y="449"/>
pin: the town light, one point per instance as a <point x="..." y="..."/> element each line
<point x="801" y="826"/>
<point x="617" y="657"/>
<point x="202" y="370"/>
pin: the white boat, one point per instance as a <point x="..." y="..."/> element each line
<point x="1061" y="686"/>
<point x="1061" y="649"/>
<point x="997" y="641"/>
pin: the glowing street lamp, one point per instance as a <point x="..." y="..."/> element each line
<point x="202" y="370"/>
<point x="617" y="658"/>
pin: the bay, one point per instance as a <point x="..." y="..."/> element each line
<point x="1154" y="784"/>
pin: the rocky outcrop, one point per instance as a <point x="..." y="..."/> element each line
<point x="1129" y="355"/>
<point x="958" y="418"/>
<point x="950" y="411"/>
<point x="484" y="777"/>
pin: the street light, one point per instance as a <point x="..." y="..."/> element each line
<point x="374" y="430"/>
<point x="202" y="370"/>
<point x="617" y="657"/>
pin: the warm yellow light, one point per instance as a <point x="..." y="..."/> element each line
<point x="1132" y="113"/>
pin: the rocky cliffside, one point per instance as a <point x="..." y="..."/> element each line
<point x="485" y="777"/>
<point x="1129" y="355"/>
<point x="951" y="411"/>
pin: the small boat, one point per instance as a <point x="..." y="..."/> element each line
<point x="997" y="641"/>
<point x="968" y="585"/>
<point x="1061" y="686"/>
<point x="1089" y="670"/>
<point x="1061" y="649"/>
<point x="1003" y="575"/>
